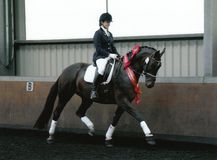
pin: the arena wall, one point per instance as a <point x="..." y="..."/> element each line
<point x="176" y="109"/>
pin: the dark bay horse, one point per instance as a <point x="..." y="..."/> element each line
<point x="121" y="92"/>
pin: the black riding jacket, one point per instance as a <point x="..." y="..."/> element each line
<point x="104" y="45"/>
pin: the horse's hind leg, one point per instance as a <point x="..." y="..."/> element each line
<point x="85" y="104"/>
<point x="63" y="99"/>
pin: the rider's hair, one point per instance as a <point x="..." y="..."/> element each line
<point x="105" y="17"/>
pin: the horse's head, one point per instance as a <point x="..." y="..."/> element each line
<point x="148" y="62"/>
<point x="151" y="65"/>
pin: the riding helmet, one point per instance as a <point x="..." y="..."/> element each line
<point x="105" y="17"/>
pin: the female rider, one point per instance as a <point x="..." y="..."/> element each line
<point x="105" y="49"/>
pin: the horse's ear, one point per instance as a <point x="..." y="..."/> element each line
<point x="157" y="54"/>
<point x="163" y="52"/>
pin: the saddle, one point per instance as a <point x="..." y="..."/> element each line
<point x="109" y="70"/>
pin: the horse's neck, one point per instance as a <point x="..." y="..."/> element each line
<point x="136" y="73"/>
<point x="135" y="70"/>
<point x="138" y="68"/>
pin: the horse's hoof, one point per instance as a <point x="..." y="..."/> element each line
<point x="109" y="143"/>
<point x="150" y="140"/>
<point x="50" y="140"/>
<point x="91" y="132"/>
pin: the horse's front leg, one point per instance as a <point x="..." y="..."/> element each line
<point x="125" y="104"/>
<point x="108" y="137"/>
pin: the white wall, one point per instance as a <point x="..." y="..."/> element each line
<point x="67" y="19"/>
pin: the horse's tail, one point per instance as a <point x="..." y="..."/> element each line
<point x="48" y="108"/>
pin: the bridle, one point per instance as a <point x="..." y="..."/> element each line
<point x="146" y="66"/>
<point x="144" y="72"/>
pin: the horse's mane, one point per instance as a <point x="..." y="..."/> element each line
<point x="145" y="49"/>
<point x="149" y="49"/>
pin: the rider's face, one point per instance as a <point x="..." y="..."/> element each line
<point x="106" y="24"/>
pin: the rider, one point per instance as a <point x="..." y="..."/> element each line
<point x="105" y="49"/>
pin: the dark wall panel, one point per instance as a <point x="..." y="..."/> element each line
<point x="169" y="109"/>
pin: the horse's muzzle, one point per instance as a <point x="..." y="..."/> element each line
<point x="149" y="84"/>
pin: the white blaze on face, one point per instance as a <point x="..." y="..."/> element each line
<point x="147" y="60"/>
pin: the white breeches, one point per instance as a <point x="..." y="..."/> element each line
<point x="101" y="64"/>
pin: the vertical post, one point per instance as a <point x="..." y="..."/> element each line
<point x="210" y="38"/>
<point x="6" y="38"/>
<point x="107" y="6"/>
<point x="2" y="32"/>
<point x="20" y="21"/>
<point x="7" y="32"/>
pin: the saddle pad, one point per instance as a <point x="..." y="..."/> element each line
<point x="90" y="74"/>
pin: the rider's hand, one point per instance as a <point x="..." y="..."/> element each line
<point x="114" y="56"/>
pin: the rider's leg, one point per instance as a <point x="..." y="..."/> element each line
<point x="101" y="64"/>
<point x="97" y="80"/>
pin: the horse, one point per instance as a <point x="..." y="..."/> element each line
<point x="123" y="89"/>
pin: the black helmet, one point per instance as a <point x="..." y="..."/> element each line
<point x="105" y="17"/>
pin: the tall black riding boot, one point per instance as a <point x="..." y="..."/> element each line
<point x="97" y="80"/>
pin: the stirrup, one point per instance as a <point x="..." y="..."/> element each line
<point x="93" y="94"/>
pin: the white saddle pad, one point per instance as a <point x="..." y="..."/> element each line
<point x="90" y="74"/>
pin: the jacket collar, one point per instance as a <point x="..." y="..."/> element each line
<point x="105" y="31"/>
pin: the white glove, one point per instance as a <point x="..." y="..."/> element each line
<point x="113" y="56"/>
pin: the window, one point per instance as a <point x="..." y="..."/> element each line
<point x="68" y="19"/>
<point x="157" y="17"/>
<point x="62" y="19"/>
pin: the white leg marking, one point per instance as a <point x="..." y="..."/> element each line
<point x="87" y="122"/>
<point x="52" y="127"/>
<point x="109" y="132"/>
<point x="145" y="129"/>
